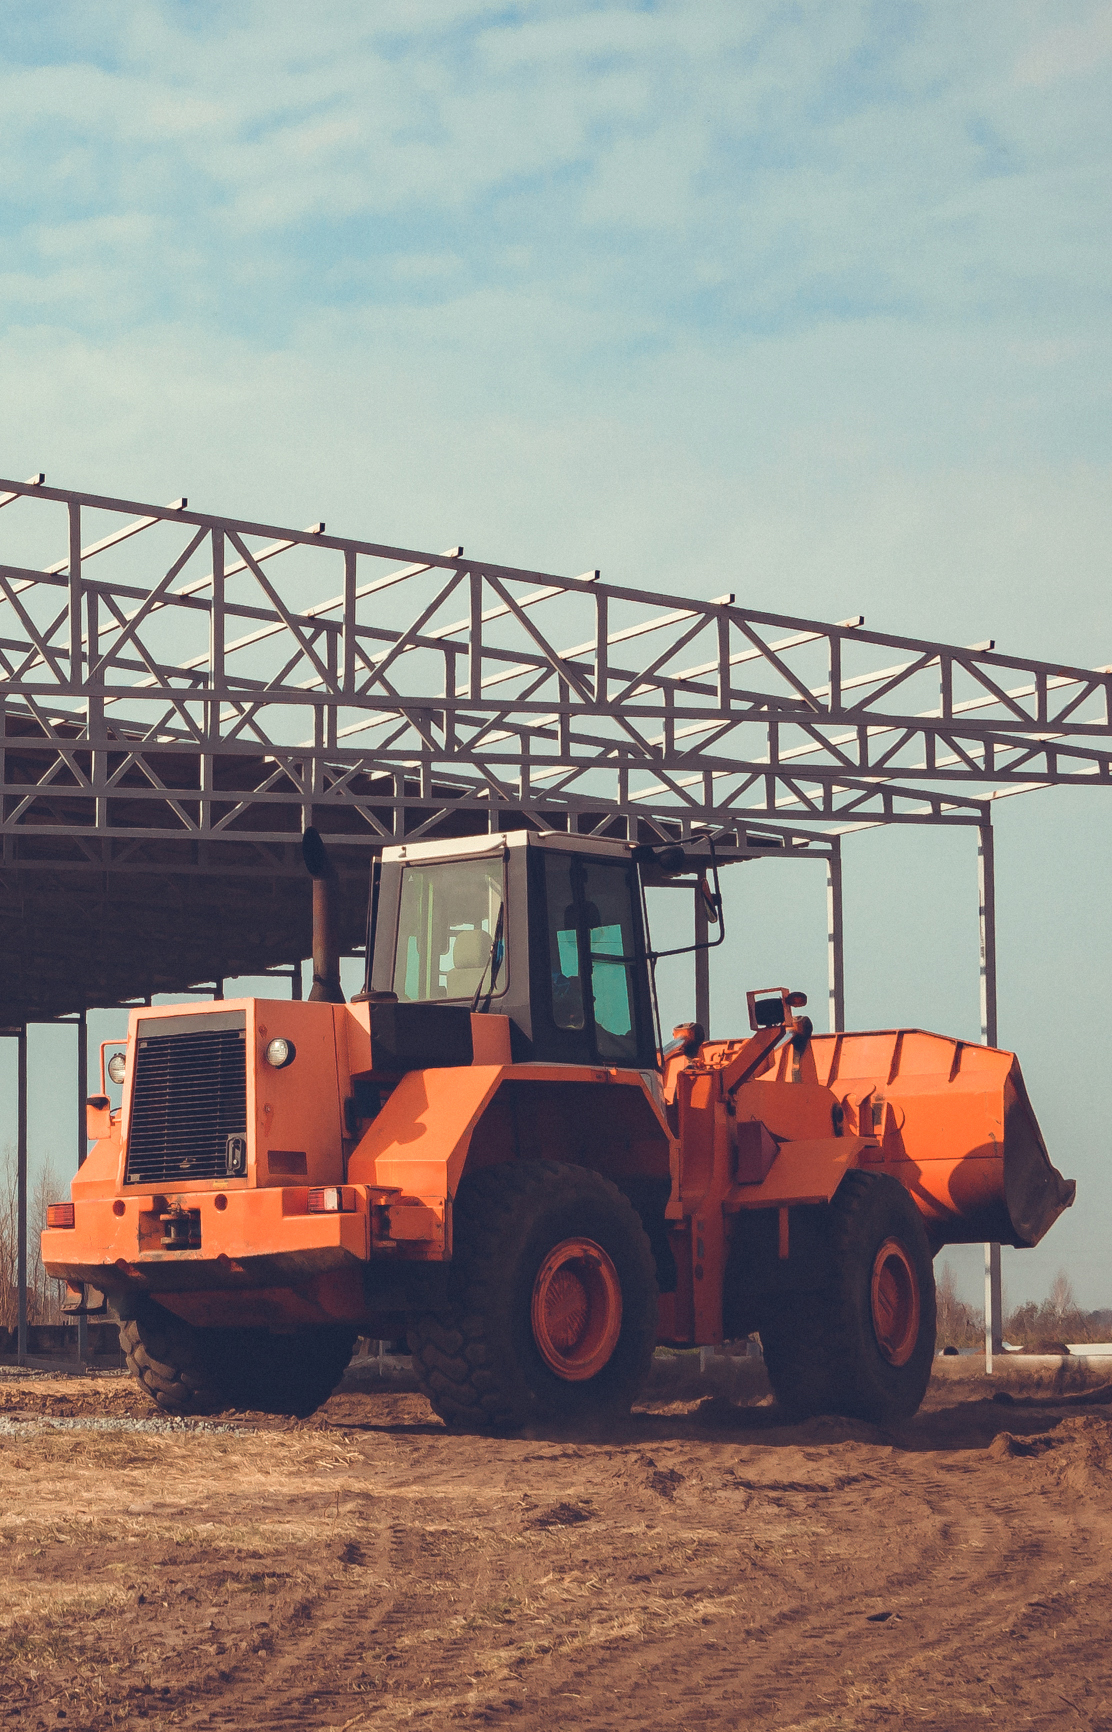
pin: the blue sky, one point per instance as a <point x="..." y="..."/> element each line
<point x="802" y="301"/>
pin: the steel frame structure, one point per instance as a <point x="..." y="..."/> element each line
<point x="172" y="699"/>
<point x="173" y="677"/>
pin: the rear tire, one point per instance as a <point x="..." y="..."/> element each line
<point x="186" y="1370"/>
<point x="864" y="1345"/>
<point x="171" y="1361"/>
<point x="553" y="1313"/>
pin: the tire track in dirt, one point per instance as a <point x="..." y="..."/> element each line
<point x="678" y="1573"/>
<point x="774" y="1675"/>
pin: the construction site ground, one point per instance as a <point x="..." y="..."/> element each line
<point x="703" y="1565"/>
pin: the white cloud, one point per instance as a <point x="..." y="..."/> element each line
<point x="1067" y="50"/>
<point x="805" y="301"/>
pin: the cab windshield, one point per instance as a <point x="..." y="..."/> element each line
<point x="451" y="943"/>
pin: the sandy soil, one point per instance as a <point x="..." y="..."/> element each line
<point x="706" y="1566"/>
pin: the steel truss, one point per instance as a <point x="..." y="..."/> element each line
<point x="181" y="708"/>
<point x="170" y="676"/>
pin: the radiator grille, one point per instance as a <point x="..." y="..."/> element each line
<point x="190" y="1096"/>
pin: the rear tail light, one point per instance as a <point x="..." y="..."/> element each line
<point x="332" y="1200"/>
<point x="59" y="1214"/>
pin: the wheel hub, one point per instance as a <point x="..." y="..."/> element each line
<point x="895" y="1300"/>
<point x="576" y="1309"/>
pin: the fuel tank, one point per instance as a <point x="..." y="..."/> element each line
<point x="950" y="1119"/>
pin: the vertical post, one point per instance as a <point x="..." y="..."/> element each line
<point x="835" y="950"/>
<point x="986" y="884"/>
<point x="348" y="675"/>
<point x="702" y="964"/>
<point x="994" y="1336"/>
<point x="7" y="844"/>
<point x="94" y="713"/>
<point x="75" y="656"/>
<point x="475" y="640"/>
<point x="602" y="651"/>
<point x="82" y="1150"/>
<point x="21" y="1195"/>
<point x="215" y="681"/>
<point x="82" y="1084"/>
<point x="216" y="624"/>
<point x="986" y="878"/>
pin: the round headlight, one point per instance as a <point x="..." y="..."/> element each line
<point x="280" y="1053"/>
<point x="117" y="1067"/>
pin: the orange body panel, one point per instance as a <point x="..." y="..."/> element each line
<point x="122" y="1232"/>
<point x="805" y="1172"/>
<point x="932" y="1110"/>
<point x="742" y="1126"/>
<point x="418" y="1142"/>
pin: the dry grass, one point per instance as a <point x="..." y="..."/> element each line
<point x="675" y="1573"/>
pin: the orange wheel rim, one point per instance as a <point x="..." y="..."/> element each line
<point x="895" y="1303"/>
<point x="577" y="1309"/>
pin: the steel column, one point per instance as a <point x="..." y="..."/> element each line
<point x="994" y="1339"/>
<point x="835" y="949"/>
<point x="986" y="874"/>
<point x="21" y="1195"/>
<point x="986" y="881"/>
<point x="76" y="661"/>
<point x="702" y="964"/>
<point x="82" y="1084"/>
<point x="82" y="1148"/>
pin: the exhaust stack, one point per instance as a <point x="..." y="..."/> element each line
<point x="326" y="951"/>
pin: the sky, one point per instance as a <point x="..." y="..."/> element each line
<point x="805" y="302"/>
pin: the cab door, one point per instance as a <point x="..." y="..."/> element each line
<point x="591" y="997"/>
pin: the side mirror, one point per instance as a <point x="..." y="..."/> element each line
<point x="687" y="1037"/>
<point x="669" y="859"/>
<point x="775" y="1012"/>
<point x="98" y="1118"/>
<point x="711" y="901"/>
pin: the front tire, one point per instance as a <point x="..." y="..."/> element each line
<point x="187" y="1370"/>
<point x="863" y="1345"/>
<point x="553" y="1312"/>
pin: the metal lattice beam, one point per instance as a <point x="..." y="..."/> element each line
<point x="169" y="674"/>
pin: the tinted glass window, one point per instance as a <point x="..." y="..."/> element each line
<point x="563" y="944"/>
<point x="608" y="898"/>
<point x="590" y="923"/>
<point x="451" y="942"/>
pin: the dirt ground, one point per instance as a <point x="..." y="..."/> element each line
<point x="703" y="1566"/>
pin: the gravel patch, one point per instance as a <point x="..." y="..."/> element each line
<point x="116" y="1422"/>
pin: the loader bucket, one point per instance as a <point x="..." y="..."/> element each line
<point x="951" y="1120"/>
<point x="1035" y="1192"/>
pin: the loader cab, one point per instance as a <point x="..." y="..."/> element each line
<point x="544" y="928"/>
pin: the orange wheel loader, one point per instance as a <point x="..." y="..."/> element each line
<point x="488" y="1151"/>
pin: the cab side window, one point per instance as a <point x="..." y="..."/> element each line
<point x="608" y="906"/>
<point x="591" y="952"/>
<point x="563" y="944"/>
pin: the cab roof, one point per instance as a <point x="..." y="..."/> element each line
<point x="498" y="841"/>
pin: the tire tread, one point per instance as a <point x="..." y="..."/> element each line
<point x="452" y="1353"/>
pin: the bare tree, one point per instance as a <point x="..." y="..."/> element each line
<point x="1047" y="1327"/>
<point x="958" y="1324"/>
<point x="1062" y="1301"/>
<point x="44" y="1296"/>
<point x="8" y="1239"/>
